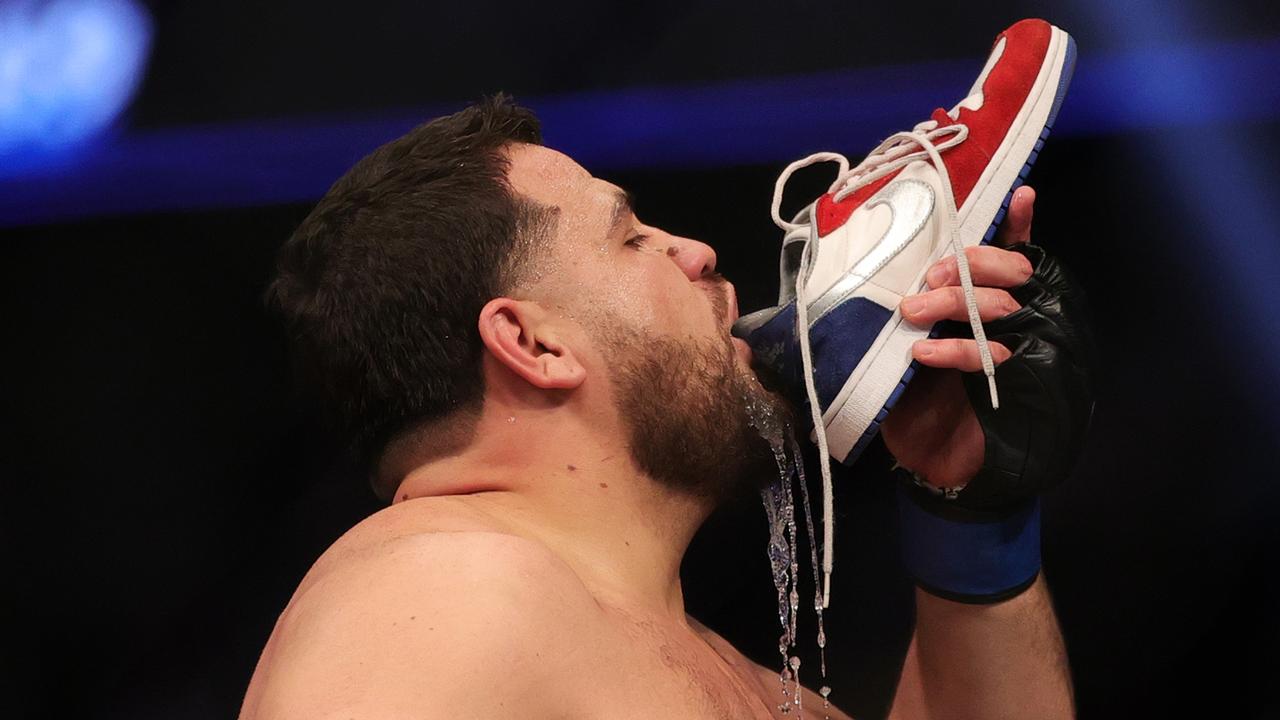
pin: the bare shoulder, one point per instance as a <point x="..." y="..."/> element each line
<point x="423" y="624"/>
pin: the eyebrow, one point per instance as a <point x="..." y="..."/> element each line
<point x="624" y="204"/>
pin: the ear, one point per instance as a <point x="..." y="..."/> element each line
<point x="518" y="333"/>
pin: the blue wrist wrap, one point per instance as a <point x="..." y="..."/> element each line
<point x="978" y="561"/>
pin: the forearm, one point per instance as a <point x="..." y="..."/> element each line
<point x="1004" y="660"/>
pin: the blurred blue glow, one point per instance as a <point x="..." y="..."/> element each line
<point x="1172" y="87"/>
<point x="1185" y="85"/>
<point x="1218" y="182"/>
<point x="67" y="70"/>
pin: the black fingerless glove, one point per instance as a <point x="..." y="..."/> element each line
<point x="981" y="542"/>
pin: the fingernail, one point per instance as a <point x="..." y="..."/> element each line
<point x="914" y="305"/>
<point x="924" y="349"/>
<point x="937" y="275"/>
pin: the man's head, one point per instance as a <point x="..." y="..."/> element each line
<point x="655" y="318"/>
<point x="381" y="284"/>
<point x="465" y="242"/>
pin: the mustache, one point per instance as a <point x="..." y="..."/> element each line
<point x="719" y="287"/>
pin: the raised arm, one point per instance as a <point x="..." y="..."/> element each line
<point x="1004" y="660"/>
<point x="987" y="644"/>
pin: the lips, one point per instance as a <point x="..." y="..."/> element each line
<point x="744" y="350"/>
<point x="733" y="302"/>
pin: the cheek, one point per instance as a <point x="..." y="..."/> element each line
<point x="652" y="296"/>
<point x="610" y="298"/>
<point x="635" y="295"/>
<point x="635" y="304"/>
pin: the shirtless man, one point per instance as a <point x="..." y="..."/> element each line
<point x="547" y="389"/>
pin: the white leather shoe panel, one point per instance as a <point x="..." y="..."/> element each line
<point x="841" y="250"/>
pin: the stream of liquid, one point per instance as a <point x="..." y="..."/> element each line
<point x="777" y="507"/>
<point x="780" y="512"/>
<point x="825" y="690"/>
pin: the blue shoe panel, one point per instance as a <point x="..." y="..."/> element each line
<point x="839" y="340"/>
<point x="774" y="345"/>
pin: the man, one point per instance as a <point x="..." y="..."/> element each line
<point x="548" y="390"/>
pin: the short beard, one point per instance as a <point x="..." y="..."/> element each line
<point x="696" y="417"/>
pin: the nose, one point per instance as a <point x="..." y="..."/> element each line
<point x="696" y="259"/>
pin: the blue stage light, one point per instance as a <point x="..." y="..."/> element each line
<point x="67" y="70"/>
<point x="1223" y="183"/>
<point x="751" y="121"/>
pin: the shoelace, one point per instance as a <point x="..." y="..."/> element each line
<point x="896" y="152"/>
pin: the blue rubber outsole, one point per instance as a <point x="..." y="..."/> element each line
<point x="1068" y="69"/>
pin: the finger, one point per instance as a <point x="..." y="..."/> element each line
<point x="948" y="304"/>
<point x="1016" y="227"/>
<point x="956" y="353"/>
<point x="990" y="266"/>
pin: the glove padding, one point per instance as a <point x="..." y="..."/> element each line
<point x="1046" y="397"/>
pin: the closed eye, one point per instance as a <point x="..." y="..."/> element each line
<point x="638" y="240"/>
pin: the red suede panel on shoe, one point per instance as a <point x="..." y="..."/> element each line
<point x="1004" y="93"/>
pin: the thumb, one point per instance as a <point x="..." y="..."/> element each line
<point x="1016" y="228"/>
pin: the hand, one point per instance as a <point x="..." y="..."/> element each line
<point x="933" y="430"/>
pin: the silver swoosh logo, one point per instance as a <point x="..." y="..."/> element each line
<point x="911" y="202"/>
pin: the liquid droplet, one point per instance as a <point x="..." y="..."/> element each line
<point x="798" y="698"/>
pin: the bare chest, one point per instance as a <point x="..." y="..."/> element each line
<point x="647" y="672"/>
<point x="670" y="681"/>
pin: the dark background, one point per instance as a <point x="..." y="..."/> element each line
<point x="163" y="492"/>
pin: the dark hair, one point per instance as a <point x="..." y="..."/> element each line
<point x="381" y="285"/>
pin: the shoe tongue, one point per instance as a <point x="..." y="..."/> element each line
<point x="943" y="118"/>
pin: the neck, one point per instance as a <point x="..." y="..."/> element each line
<point x="573" y="487"/>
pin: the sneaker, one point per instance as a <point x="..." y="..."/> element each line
<point x="850" y="257"/>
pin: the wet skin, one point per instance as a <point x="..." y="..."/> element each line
<point x="535" y="572"/>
